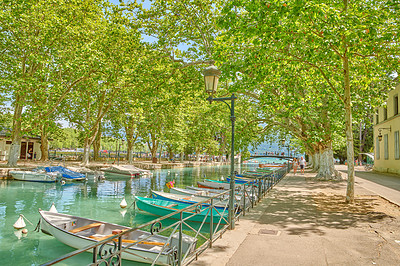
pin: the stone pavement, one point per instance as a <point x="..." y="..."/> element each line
<point x="306" y="222"/>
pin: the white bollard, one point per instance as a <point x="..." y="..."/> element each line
<point x="20" y="223"/>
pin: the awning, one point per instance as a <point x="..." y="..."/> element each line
<point x="370" y="155"/>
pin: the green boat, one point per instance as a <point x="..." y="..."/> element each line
<point x="164" y="207"/>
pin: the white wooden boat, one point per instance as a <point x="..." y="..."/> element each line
<point x="78" y="232"/>
<point x="34" y="176"/>
<point x="125" y="171"/>
<point x="197" y="195"/>
<point x="218" y="203"/>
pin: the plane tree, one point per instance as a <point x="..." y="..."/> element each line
<point x="43" y="58"/>
<point x="344" y="41"/>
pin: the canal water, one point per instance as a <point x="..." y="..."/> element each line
<point x="94" y="200"/>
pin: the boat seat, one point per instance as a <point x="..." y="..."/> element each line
<point x="85" y="227"/>
<point x="102" y="237"/>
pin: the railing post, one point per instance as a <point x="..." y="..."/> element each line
<point x="119" y="249"/>
<point x="259" y="189"/>
<point x="95" y="255"/>
<point x="211" y="222"/>
<point x="253" y="194"/>
<point x="244" y="199"/>
<point x="180" y="240"/>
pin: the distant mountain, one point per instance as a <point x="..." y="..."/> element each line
<point x="266" y="147"/>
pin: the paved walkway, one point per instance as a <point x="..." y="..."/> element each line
<point x="306" y="222"/>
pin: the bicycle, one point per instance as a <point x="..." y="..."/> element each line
<point x="368" y="167"/>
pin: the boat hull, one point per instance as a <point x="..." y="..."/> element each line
<point x="213" y="185"/>
<point x="67" y="174"/>
<point x="220" y="205"/>
<point x="163" y="207"/>
<point x="33" y="176"/>
<point x="134" y="253"/>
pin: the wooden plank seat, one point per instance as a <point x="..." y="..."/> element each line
<point x="85" y="227"/>
<point x="100" y="238"/>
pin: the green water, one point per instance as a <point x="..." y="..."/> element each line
<point x="94" y="200"/>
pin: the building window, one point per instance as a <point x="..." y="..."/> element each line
<point x="386" y="146"/>
<point x="377" y="117"/>
<point x="395" y="105"/>
<point x="8" y="142"/>
<point x="377" y="150"/>
<point x="396" y="145"/>
<point x="384" y="113"/>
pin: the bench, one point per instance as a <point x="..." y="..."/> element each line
<point x="85" y="227"/>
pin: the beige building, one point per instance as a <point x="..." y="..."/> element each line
<point x="30" y="146"/>
<point x="386" y="135"/>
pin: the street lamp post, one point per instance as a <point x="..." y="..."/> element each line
<point x="119" y="149"/>
<point x="211" y="76"/>
<point x="287" y="146"/>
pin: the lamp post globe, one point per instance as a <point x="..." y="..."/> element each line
<point x="211" y="77"/>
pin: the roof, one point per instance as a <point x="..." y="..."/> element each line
<point x="7" y="133"/>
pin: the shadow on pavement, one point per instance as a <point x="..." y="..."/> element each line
<point x="297" y="209"/>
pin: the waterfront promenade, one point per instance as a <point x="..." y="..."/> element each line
<point x="305" y="222"/>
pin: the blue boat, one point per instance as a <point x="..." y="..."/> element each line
<point x="67" y="175"/>
<point x="164" y="207"/>
<point x="242" y="180"/>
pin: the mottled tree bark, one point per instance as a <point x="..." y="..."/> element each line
<point x="15" y="148"/>
<point x="44" y="144"/>
<point x="349" y="132"/>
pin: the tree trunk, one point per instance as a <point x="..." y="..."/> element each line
<point x="349" y="133"/>
<point x="181" y="157"/>
<point x="311" y="160"/>
<point x="161" y="149"/>
<point x="197" y="155"/>
<point x="16" y="134"/>
<point x="44" y="144"/>
<point x="86" y="152"/>
<point x="326" y="169"/>
<point x="96" y="146"/>
<point x="130" y="151"/>
<point x="316" y="161"/>
<point x="361" y="144"/>
<point x="130" y="137"/>
<point x="154" y="154"/>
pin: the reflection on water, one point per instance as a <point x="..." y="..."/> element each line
<point x="95" y="200"/>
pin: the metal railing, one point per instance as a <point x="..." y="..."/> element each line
<point x="111" y="251"/>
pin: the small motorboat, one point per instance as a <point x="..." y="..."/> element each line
<point x="243" y="180"/>
<point x="161" y="207"/>
<point x="270" y="165"/>
<point x="34" y="176"/>
<point x="189" y="192"/>
<point x="78" y="232"/>
<point x="213" y="185"/>
<point x="126" y="171"/>
<point x="66" y="174"/>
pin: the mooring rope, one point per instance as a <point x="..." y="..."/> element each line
<point x="26" y="219"/>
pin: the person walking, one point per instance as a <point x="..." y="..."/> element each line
<point x="302" y="164"/>
<point x="295" y="164"/>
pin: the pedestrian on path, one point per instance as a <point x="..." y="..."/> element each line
<point x="295" y="164"/>
<point x="302" y="164"/>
